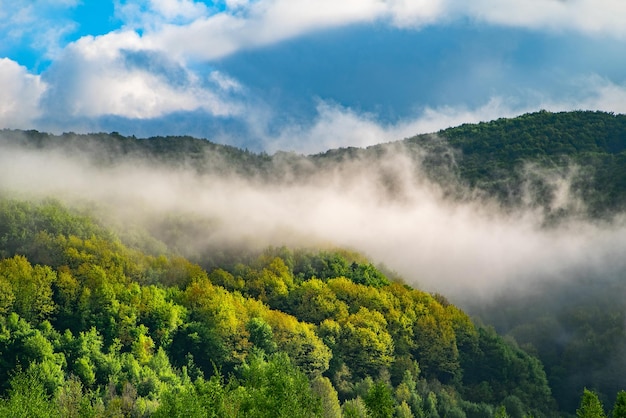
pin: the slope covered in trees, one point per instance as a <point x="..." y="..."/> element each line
<point x="91" y="327"/>
<point x="574" y="325"/>
<point x="147" y="322"/>
<point x="514" y="160"/>
<point x="589" y="145"/>
<point x="569" y="166"/>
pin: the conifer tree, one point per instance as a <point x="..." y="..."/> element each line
<point x="590" y="406"/>
<point x="619" y="409"/>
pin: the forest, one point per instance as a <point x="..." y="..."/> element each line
<point x="102" y="318"/>
<point x="91" y="327"/>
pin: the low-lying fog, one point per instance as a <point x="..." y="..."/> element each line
<point x="465" y="248"/>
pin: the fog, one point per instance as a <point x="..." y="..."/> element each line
<point x="466" y="247"/>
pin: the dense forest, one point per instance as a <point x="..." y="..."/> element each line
<point x="91" y="327"/>
<point x="106" y="319"/>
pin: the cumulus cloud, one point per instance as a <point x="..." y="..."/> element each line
<point x="114" y="75"/>
<point x="174" y="9"/>
<point x="415" y="13"/>
<point x="260" y="23"/>
<point x="251" y="24"/>
<point x="21" y="93"/>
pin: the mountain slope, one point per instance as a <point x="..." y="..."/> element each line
<point x="566" y="172"/>
<point x="106" y="329"/>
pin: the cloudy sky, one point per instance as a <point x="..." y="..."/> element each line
<point x="303" y="75"/>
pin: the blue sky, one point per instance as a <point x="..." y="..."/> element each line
<point x="303" y="75"/>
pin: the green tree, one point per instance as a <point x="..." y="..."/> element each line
<point x="276" y="388"/>
<point x="313" y="301"/>
<point x="27" y="398"/>
<point x="379" y="401"/>
<point x="501" y="412"/>
<point x="354" y="408"/>
<point x="323" y="389"/>
<point x="72" y="402"/>
<point x="404" y="410"/>
<point x="590" y="406"/>
<point x="261" y="335"/>
<point x="619" y="409"/>
<point x="365" y="344"/>
<point x="181" y="402"/>
<point x="31" y="287"/>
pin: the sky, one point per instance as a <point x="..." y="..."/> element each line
<point x="303" y="75"/>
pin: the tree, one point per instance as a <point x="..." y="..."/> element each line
<point x="379" y="401"/>
<point x="276" y="388"/>
<point x="31" y="294"/>
<point x="28" y="398"/>
<point x="501" y="412"/>
<point x="73" y="403"/>
<point x="323" y="388"/>
<point x="365" y="344"/>
<point x="590" y="406"/>
<point x="261" y="335"/>
<point x="404" y="411"/>
<point x="354" y="408"/>
<point x="619" y="409"/>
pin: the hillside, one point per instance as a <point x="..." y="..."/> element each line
<point x="589" y="146"/>
<point x="516" y="161"/>
<point x="91" y="327"/>
<point x="166" y="299"/>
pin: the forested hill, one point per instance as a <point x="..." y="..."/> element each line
<point x="517" y="161"/>
<point x="91" y="327"/>
<point x="167" y="316"/>
<point x="591" y="145"/>
<point x="524" y="161"/>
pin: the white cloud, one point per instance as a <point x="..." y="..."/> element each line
<point x="261" y="23"/>
<point x="336" y="126"/>
<point x="225" y="82"/>
<point x="587" y="16"/>
<point x="600" y="94"/>
<point x="234" y="4"/>
<point x="100" y="76"/>
<point x="414" y="13"/>
<point x="248" y="24"/>
<point x="151" y="14"/>
<point x="21" y="92"/>
<point x="177" y="9"/>
<point x="41" y="24"/>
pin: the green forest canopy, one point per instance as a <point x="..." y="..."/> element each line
<point x="94" y="327"/>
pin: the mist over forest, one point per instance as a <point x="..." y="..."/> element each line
<point x="410" y="205"/>
<point x="520" y="222"/>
